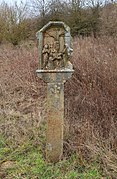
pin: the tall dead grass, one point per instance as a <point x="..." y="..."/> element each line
<point x="21" y="93"/>
<point x="91" y="102"/>
<point x="90" y="99"/>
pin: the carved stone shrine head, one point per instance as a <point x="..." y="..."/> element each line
<point x="55" y="46"/>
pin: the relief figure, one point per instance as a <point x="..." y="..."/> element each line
<point x="53" y="58"/>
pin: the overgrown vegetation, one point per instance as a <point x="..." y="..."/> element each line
<point x="90" y="137"/>
<point x="27" y="161"/>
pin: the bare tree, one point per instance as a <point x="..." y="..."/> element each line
<point x="14" y="23"/>
<point x="38" y="7"/>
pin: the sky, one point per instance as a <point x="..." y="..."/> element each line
<point x="13" y="1"/>
<point x="10" y="2"/>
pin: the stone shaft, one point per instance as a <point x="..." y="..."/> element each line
<point x="55" y="117"/>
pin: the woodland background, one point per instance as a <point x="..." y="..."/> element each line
<point x="85" y="18"/>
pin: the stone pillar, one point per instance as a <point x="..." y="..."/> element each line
<point x="54" y="68"/>
<point x="55" y="116"/>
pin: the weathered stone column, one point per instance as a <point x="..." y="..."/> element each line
<point x="55" y="114"/>
<point x="55" y="70"/>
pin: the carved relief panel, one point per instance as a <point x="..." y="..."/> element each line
<point x="54" y="45"/>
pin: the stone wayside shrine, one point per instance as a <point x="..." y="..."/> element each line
<point x="54" y="43"/>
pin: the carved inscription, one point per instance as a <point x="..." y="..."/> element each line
<point x="55" y="89"/>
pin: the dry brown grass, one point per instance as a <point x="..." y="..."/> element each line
<point x="21" y="93"/>
<point x="90" y="99"/>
